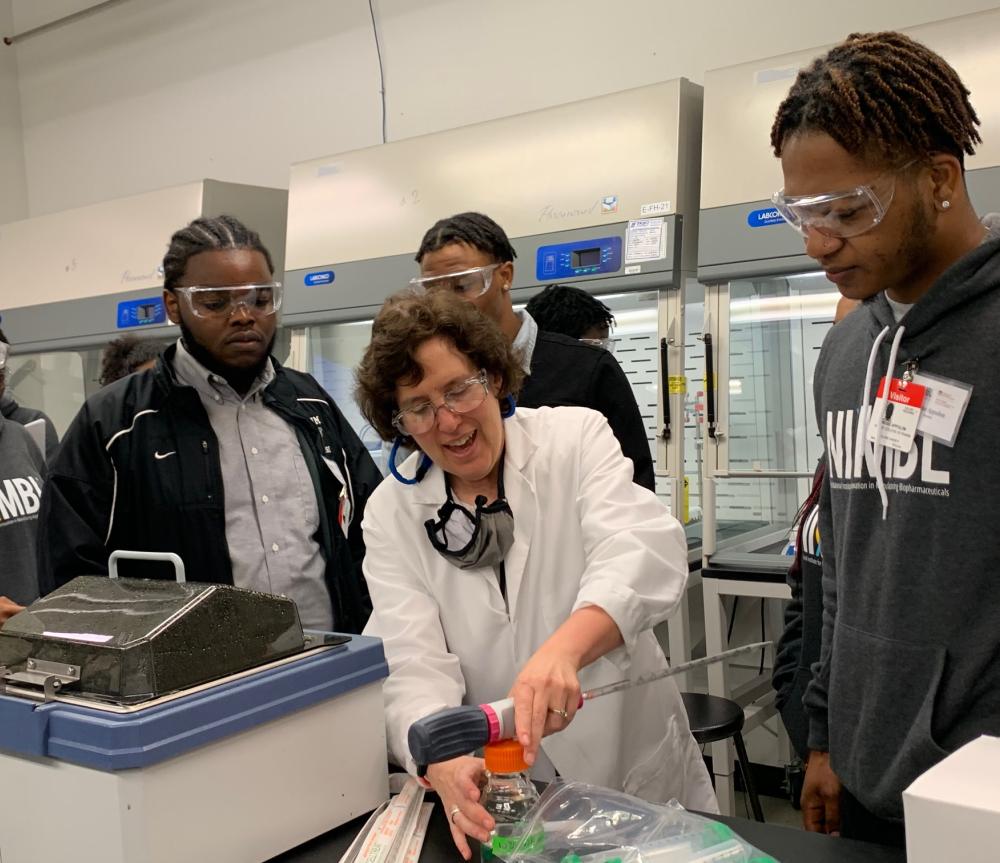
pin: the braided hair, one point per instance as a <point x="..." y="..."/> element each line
<point x="567" y="310"/>
<point x="881" y="94"/>
<point x="208" y="235"/>
<point x="473" y="229"/>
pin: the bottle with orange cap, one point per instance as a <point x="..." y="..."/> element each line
<point x="508" y="796"/>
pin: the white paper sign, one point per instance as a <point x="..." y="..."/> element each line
<point x="944" y="407"/>
<point x="645" y="240"/>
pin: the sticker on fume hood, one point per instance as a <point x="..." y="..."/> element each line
<point x="645" y="240"/>
<point x="764" y="218"/>
<point x="321" y="277"/>
<point x="659" y="208"/>
<point x="635" y="269"/>
<point x="609" y="204"/>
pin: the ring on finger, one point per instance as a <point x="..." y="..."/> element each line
<point x="453" y="812"/>
<point x="558" y="711"/>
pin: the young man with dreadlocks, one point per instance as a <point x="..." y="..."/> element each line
<point x="244" y="468"/>
<point x="872" y="139"/>
<point x="471" y="255"/>
<point x="574" y="313"/>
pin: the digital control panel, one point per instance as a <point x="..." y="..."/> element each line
<point x="579" y="258"/>
<point x="141" y="313"/>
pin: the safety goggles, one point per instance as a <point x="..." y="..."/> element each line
<point x="460" y="399"/>
<point x="222" y="301"/>
<point x="4" y="353"/>
<point x="839" y="214"/>
<point x="467" y="284"/>
<point x="608" y="344"/>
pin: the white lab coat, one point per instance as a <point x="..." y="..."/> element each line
<point x="584" y="534"/>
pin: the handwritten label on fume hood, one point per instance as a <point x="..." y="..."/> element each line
<point x="645" y="240"/>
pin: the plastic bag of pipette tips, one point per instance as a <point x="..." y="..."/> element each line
<point x="578" y="823"/>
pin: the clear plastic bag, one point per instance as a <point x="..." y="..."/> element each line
<point x="578" y="823"/>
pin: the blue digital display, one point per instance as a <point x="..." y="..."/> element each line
<point x="764" y="218"/>
<point x="579" y="258"/>
<point x="141" y="313"/>
<point x="323" y="277"/>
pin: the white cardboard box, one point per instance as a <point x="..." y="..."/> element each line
<point x="953" y="810"/>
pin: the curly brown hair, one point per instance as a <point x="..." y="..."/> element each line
<point x="403" y="324"/>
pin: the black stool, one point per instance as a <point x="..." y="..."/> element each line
<point x="712" y="719"/>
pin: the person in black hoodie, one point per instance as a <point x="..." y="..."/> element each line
<point x="470" y="254"/>
<point x="246" y="469"/>
<point x="872" y="139"/>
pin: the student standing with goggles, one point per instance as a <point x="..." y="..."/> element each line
<point x="470" y="255"/>
<point x="244" y="468"/>
<point x="516" y="556"/>
<point x="872" y="139"/>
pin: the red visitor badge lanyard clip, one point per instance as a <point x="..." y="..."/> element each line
<point x="897" y="412"/>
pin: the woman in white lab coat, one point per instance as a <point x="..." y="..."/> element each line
<point x="550" y="584"/>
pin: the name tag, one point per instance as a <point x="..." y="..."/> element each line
<point x="345" y="506"/>
<point x="896" y="415"/>
<point x="944" y="407"/>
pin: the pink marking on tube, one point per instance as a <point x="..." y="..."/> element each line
<point x="492" y="721"/>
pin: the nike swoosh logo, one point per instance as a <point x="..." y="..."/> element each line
<point x="158" y="455"/>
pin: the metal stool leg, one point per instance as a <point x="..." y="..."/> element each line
<point x="744" y="760"/>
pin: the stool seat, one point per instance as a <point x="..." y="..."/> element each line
<point x="712" y="718"/>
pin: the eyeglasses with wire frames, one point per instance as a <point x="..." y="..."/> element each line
<point x="459" y="399"/>
<point x="840" y="215"/>
<point x="467" y="284"/>
<point x="221" y="301"/>
<point x="608" y="344"/>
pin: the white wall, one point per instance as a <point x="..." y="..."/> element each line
<point x="141" y="95"/>
<point x="13" y="191"/>
<point x="148" y="94"/>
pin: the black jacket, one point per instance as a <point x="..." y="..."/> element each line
<point x="11" y="410"/>
<point x="566" y="371"/>
<point x="799" y="645"/>
<point x="107" y="491"/>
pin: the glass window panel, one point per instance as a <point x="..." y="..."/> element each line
<point x="55" y="383"/>
<point x="755" y="514"/>
<point x="776" y="329"/>
<point x="331" y="353"/>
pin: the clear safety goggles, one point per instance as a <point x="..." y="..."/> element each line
<point x="467" y="284"/>
<point x="4" y="353"/>
<point x="222" y="301"/>
<point x="839" y="214"/>
<point x="608" y="344"/>
<point x="460" y="399"/>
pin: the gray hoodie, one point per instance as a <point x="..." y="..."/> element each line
<point x="11" y="410"/>
<point x="910" y="663"/>
<point x="22" y="472"/>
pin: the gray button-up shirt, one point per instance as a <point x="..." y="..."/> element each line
<point x="271" y="509"/>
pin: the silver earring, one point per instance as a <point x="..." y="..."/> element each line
<point x="945" y="205"/>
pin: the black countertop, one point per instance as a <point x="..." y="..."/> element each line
<point x="785" y="844"/>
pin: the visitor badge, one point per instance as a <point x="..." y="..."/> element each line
<point x="944" y="407"/>
<point x="898" y="414"/>
<point x="345" y="506"/>
<point x="345" y="511"/>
